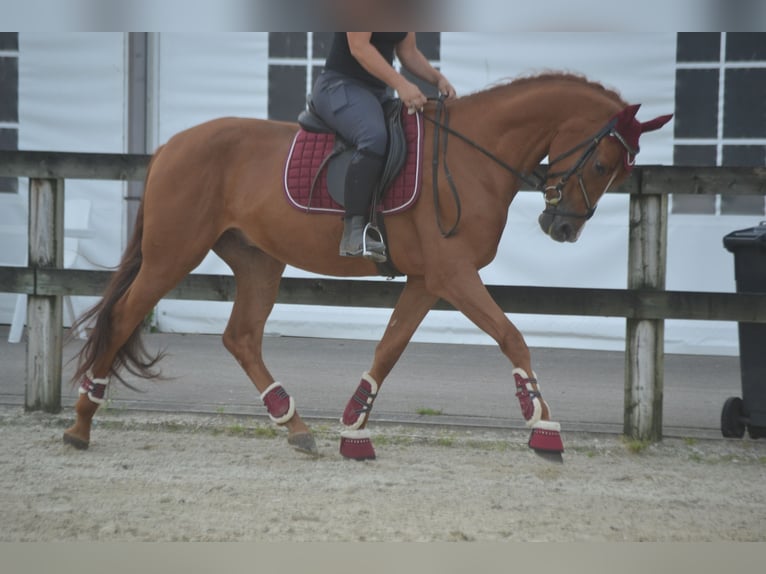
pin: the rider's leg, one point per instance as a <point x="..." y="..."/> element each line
<point x="355" y="111"/>
<point x="361" y="182"/>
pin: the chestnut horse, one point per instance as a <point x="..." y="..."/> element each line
<point x="219" y="186"/>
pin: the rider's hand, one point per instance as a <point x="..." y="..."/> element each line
<point x="412" y="97"/>
<point x="446" y="89"/>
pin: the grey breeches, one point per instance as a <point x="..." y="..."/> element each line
<point x="353" y="110"/>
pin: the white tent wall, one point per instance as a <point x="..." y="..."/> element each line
<point x="13" y="242"/>
<point x="641" y="66"/>
<point x="205" y="76"/>
<point x="73" y="98"/>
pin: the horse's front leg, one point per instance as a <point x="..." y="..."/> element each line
<point x="466" y="292"/>
<point x="410" y="310"/>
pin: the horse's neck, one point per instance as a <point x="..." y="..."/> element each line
<point x="520" y="127"/>
<point x="514" y="131"/>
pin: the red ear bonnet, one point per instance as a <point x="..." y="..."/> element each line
<point x="627" y="129"/>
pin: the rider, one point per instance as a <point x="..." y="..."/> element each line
<point x="348" y="95"/>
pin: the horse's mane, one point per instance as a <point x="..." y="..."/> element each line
<point x="506" y="87"/>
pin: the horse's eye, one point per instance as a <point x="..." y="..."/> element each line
<point x="600" y="169"/>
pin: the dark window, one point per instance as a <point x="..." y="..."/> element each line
<point x="745" y="46"/>
<point x="9" y="41"/>
<point x="9" y="102"/>
<point x="9" y="89"/>
<point x="697" y="155"/>
<point x="744" y="156"/>
<point x="287" y="92"/>
<point x="709" y="131"/>
<point x="321" y="44"/>
<point x="430" y="44"/>
<point x="9" y="139"/>
<point x="745" y="103"/>
<point x="287" y="44"/>
<point x="698" y="47"/>
<point x="696" y="114"/>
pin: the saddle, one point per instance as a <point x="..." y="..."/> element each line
<point x="316" y="166"/>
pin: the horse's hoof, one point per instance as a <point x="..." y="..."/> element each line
<point x="76" y="442"/>
<point x="303" y="442"/>
<point x="545" y="440"/>
<point x="356" y="445"/>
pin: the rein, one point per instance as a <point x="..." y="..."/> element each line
<point x="539" y="180"/>
<point x="435" y="163"/>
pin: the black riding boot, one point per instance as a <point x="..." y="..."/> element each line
<point x="362" y="181"/>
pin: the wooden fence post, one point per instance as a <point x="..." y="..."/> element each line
<point x="644" y="339"/>
<point x="44" y="313"/>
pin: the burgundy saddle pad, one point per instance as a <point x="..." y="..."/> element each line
<point x="309" y="150"/>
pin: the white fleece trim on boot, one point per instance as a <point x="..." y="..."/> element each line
<point x="537" y="403"/>
<point x="373" y="383"/>
<point x="270" y="388"/>
<point x="366" y="376"/>
<point x="523" y="373"/>
<point x="290" y="410"/>
<point x="359" y="434"/>
<point x="95" y="381"/>
<point x="547" y="425"/>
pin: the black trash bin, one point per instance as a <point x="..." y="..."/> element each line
<point x="749" y="249"/>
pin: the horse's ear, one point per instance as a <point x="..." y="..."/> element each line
<point x="628" y="129"/>
<point x="656" y="123"/>
<point x="626" y="116"/>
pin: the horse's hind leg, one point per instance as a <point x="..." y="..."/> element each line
<point x="410" y="310"/>
<point x="120" y="314"/>
<point x="257" y="277"/>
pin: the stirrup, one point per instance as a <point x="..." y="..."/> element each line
<point x="378" y="257"/>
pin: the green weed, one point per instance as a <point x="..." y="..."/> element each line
<point x="429" y="412"/>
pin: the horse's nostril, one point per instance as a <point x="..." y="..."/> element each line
<point x="565" y="231"/>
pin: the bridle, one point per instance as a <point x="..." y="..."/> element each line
<point x="552" y="204"/>
<point x="535" y="180"/>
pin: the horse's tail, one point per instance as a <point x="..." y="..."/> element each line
<point x="132" y="355"/>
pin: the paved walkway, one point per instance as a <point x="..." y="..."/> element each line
<point x="468" y="384"/>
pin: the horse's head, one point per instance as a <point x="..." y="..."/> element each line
<point x="585" y="162"/>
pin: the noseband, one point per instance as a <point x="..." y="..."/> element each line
<point x="535" y="180"/>
<point x="552" y="204"/>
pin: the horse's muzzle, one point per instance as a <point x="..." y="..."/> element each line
<point x="559" y="228"/>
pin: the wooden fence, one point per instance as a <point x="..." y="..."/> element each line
<point x="645" y="303"/>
